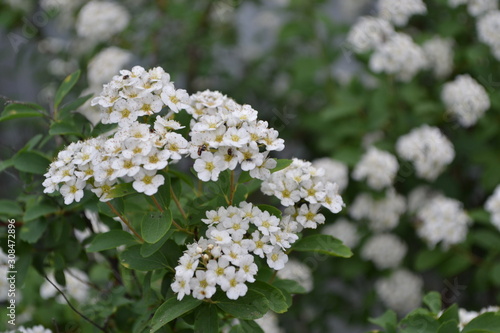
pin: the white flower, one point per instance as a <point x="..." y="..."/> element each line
<point x="248" y="267"/>
<point x="487" y="30"/>
<point x="234" y="284"/>
<point x="202" y="286"/>
<point x="309" y="217"/>
<point x="299" y="272"/>
<point x="368" y="33"/>
<point x="398" y="12"/>
<point x="385" y="250"/>
<point x="344" y="230"/>
<point x="176" y="100"/>
<point x="103" y="66"/>
<point x="419" y="197"/>
<point x="465" y="99"/>
<point x="72" y="191"/>
<point x="443" y="220"/>
<point x="187" y="266"/>
<point x="147" y="182"/>
<point x="100" y="20"/>
<point x="428" y="149"/>
<point x="181" y="287"/>
<point x="276" y="259"/>
<point x="492" y="205"/>
<point x="378" y="167"/>
<point x="401" y="292"/>
<point x="439" y="53"/>
<point x="335" y="171"/>
<point x="156" y="159"/>
<point x="398" y="56"/>
<point x="267" y="223"/>
<point x="206" y="167"/>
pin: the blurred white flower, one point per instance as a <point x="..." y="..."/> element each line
<point x="100" y="20"/>
<point x="401" y="292"/>
<point x="335" y="171"/>
<point x="378" y="167"/>
<point x="384" y="250"/>
<point x="269" y="323"/>
<point x="488" y="26"/>
<point x="76" y="288"/>
<point x="398" y="12"/>
<point x="398" y="56"/>
<point x="104" y="65"/>
<point x="443" y="220"/>
<point x="298" y="272"/>
<point x="465" y="99"/>
<point x="492" y="205"/>
<point x="439" y="53"/>
<point x="368" y="33"/>
<point x="428" y="149"/>
<point x="344" y="230"/>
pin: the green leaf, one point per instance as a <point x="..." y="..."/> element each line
<point x="207" y="320"/>
<point x="325" y="244"/>
<point x="171" y="309"/>
<point x="148" y="249"/>
<point x="433" y="301"/>
<point x="480" y="215"/>
<point x="487" y="322"/>
<point x="155" y="225"/>
<point x="427" y="259"/>
<point x="388" y="321"/>
<point x="451" y="326"/>
<point x="182" y="176"/>
<point x="110" y="240"/>
<point x="252" y="306"/>
<point x="244" y="177"/>
<point x="121" y="190"/>
<point x="275" y="297"/>
<point x="65" y="87"/>
<point x="291" y="286"/>
<point x="450" y="314"/>
<point x="73" y="105"/>
<point x="64" y="127"/>
<point x="419" y="323"/>
<point x="455" y="264"/>
<point x="32" y="231"/>
<point x="485" y="239"/>
<point x="31" y="162"/>
<point x="38" y="210"/>
<point x="247" y="326"/>
<point x="281" y="164"/>
<point x="10" y="208"/>
<point x="6" y="164"/>
<point x="15" y="111"/>
<point x="271" y="210"/>
<point x="131" y="258"/>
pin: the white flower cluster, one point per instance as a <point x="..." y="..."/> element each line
<point x="398" y="56"/>
<point x="225" y="133"/>
<point x="378" y="167"/>
<point x="34" y="329"/>
<point x="100" y="20"/>
<point x="492" y="205"/>
<point x="368" y="33"/>
<point x="384" y="250"/>
<point x="136" y="152"/>
<point x="335" y="171"/>
<point x="270" y="323"/>
<point x="76" y="287"/>
<point x="428" y="149"/>
<point x="382" y="214"/>
<point x="398" y="12"/>
<point x="487" y="30"/>
<point x="226" y="257"/>
<point x="301" y="181"/>
<point x="439" y="54"/>
<point x="401" y="292"/>
<point x="443" y="220"/>
<point x="344" y="230"/>
<point x="476" y="7"/>
<point x="298" y="272"/>
<point x="465" y="99"/>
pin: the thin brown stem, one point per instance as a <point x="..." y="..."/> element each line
<point x="157" y="203"/>
<point x="181" y="228"/>
<point x="178" y="204"/>
<point x="125" y="221"/>
<point x="73" y="308"/>
<point x="271" y="279"/>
